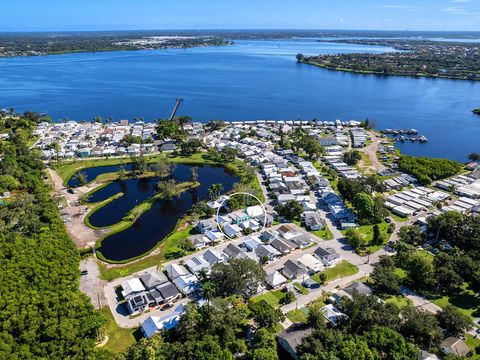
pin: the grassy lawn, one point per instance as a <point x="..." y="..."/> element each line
<point x="324" y="234"/>
<point x="119" y="339"/>
<point x="301" y="289"/>
<point x="366" y="231"/>
<point x="342" y="269"/>
<point x="273" y="298"/>
<point x="473" y="343"/>
<point x="298" y="315"/>
<point x="399" y="300"/>
<point x="168" y="249"/>
<point x="465" y="301"/>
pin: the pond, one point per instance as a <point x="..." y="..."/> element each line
<point x="92" y="173"/>
<point x="154" y="224"/>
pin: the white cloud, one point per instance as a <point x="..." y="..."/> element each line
<point x="458" y="10"/>
<point x="399" y="6"/>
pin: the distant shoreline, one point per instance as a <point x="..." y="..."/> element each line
<point x="369" y="72"/>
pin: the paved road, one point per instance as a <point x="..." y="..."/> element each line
<point x="419" y="301"/>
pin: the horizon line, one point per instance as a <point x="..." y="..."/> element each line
<point x="236" y="29"/>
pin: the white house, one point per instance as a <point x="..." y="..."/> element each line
<point x="311" y="263"/>
<point x="214" y="235"/>
<point x="186" y="283"/>
<point x="154" y="324"/>
<point x="175" y="270"/>
<point x="232" y="230"/>
<point x="275" y="279"/>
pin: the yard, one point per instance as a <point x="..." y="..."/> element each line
<point x="324" y="234"/>
<point x="465" y="301"/>
<point x="119" y="339"/>
<point x="298" y="315"/>
<point x="342" y="269"/>
<point x="366" y="231"/>
<point x="273" y="298"/>
<point x="399" y="300"/>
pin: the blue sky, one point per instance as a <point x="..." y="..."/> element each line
<point x="33" y="15"/>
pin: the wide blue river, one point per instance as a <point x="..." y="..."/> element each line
<point x="249" y="80"/>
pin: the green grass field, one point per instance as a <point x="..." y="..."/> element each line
<point x="342" y="269"/>
<point x="399" y="300"/>
<point x="465" y="301"/>
<point x="298" y="315"/>
<point x="324" y="234"/>
<point x="119" y="339"/>
<point x="271" y="297"/>
<point x="473" y="343"/>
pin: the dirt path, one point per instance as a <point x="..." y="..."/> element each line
<point x="81" y="234"/>
<point x="371" y="152"/>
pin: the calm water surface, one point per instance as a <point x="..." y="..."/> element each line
<point x="92" y="173"/>
<point x="156" y="223"/>
<point x="249" y="80"/>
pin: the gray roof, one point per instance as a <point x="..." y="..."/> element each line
<point x="294" y="335"/>
<point x="327" y="253"/>
<point x="153" y="279"/>
<point x="232" y="250"/>
<point x="292" y="268"/>
<point x="358" y="287"/>
<point x="282" y="245"/>
<point x="168" y="290"/>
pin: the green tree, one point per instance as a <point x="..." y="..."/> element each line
<point x="81" y="178"/>
<point x="139" y="163"/>
<point x="122" y="174"/>
<point x="167" y="129"/>
<point x="238" y="277"/>
<point x="355" y="239"/>
<point x="453" y="321"/>
<point x="289" y="298"/>
<point x="167" y="189"/>
<point x="352" y="157"/>
<point x="474" y="157"/>
<point x="411" y="234"/>
<point x="384" y="277"/>
<point x="364" y="207"/>
<point x="389" y="344"/>
<point x="265" y="315"/>
<point x="190" y="147"/>
<point x="290" y="210"/>
<point x="130" y="139"/>
<point x="420" y="270"/>
<point x="311" y="146"/>
<point x="162" y="167"/>
<point x="421" y="326"/>
<point x="378" y="237"/>
<point x="194" y="176"/>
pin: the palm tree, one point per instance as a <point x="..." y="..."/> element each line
<point x="211" y="194"/>
<point x="194" y="177"/>
<point x="217" y="190"/>
<point x="208" y="290"/>
<point x="82" y="178"/>
<point x="167" y="188"/>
